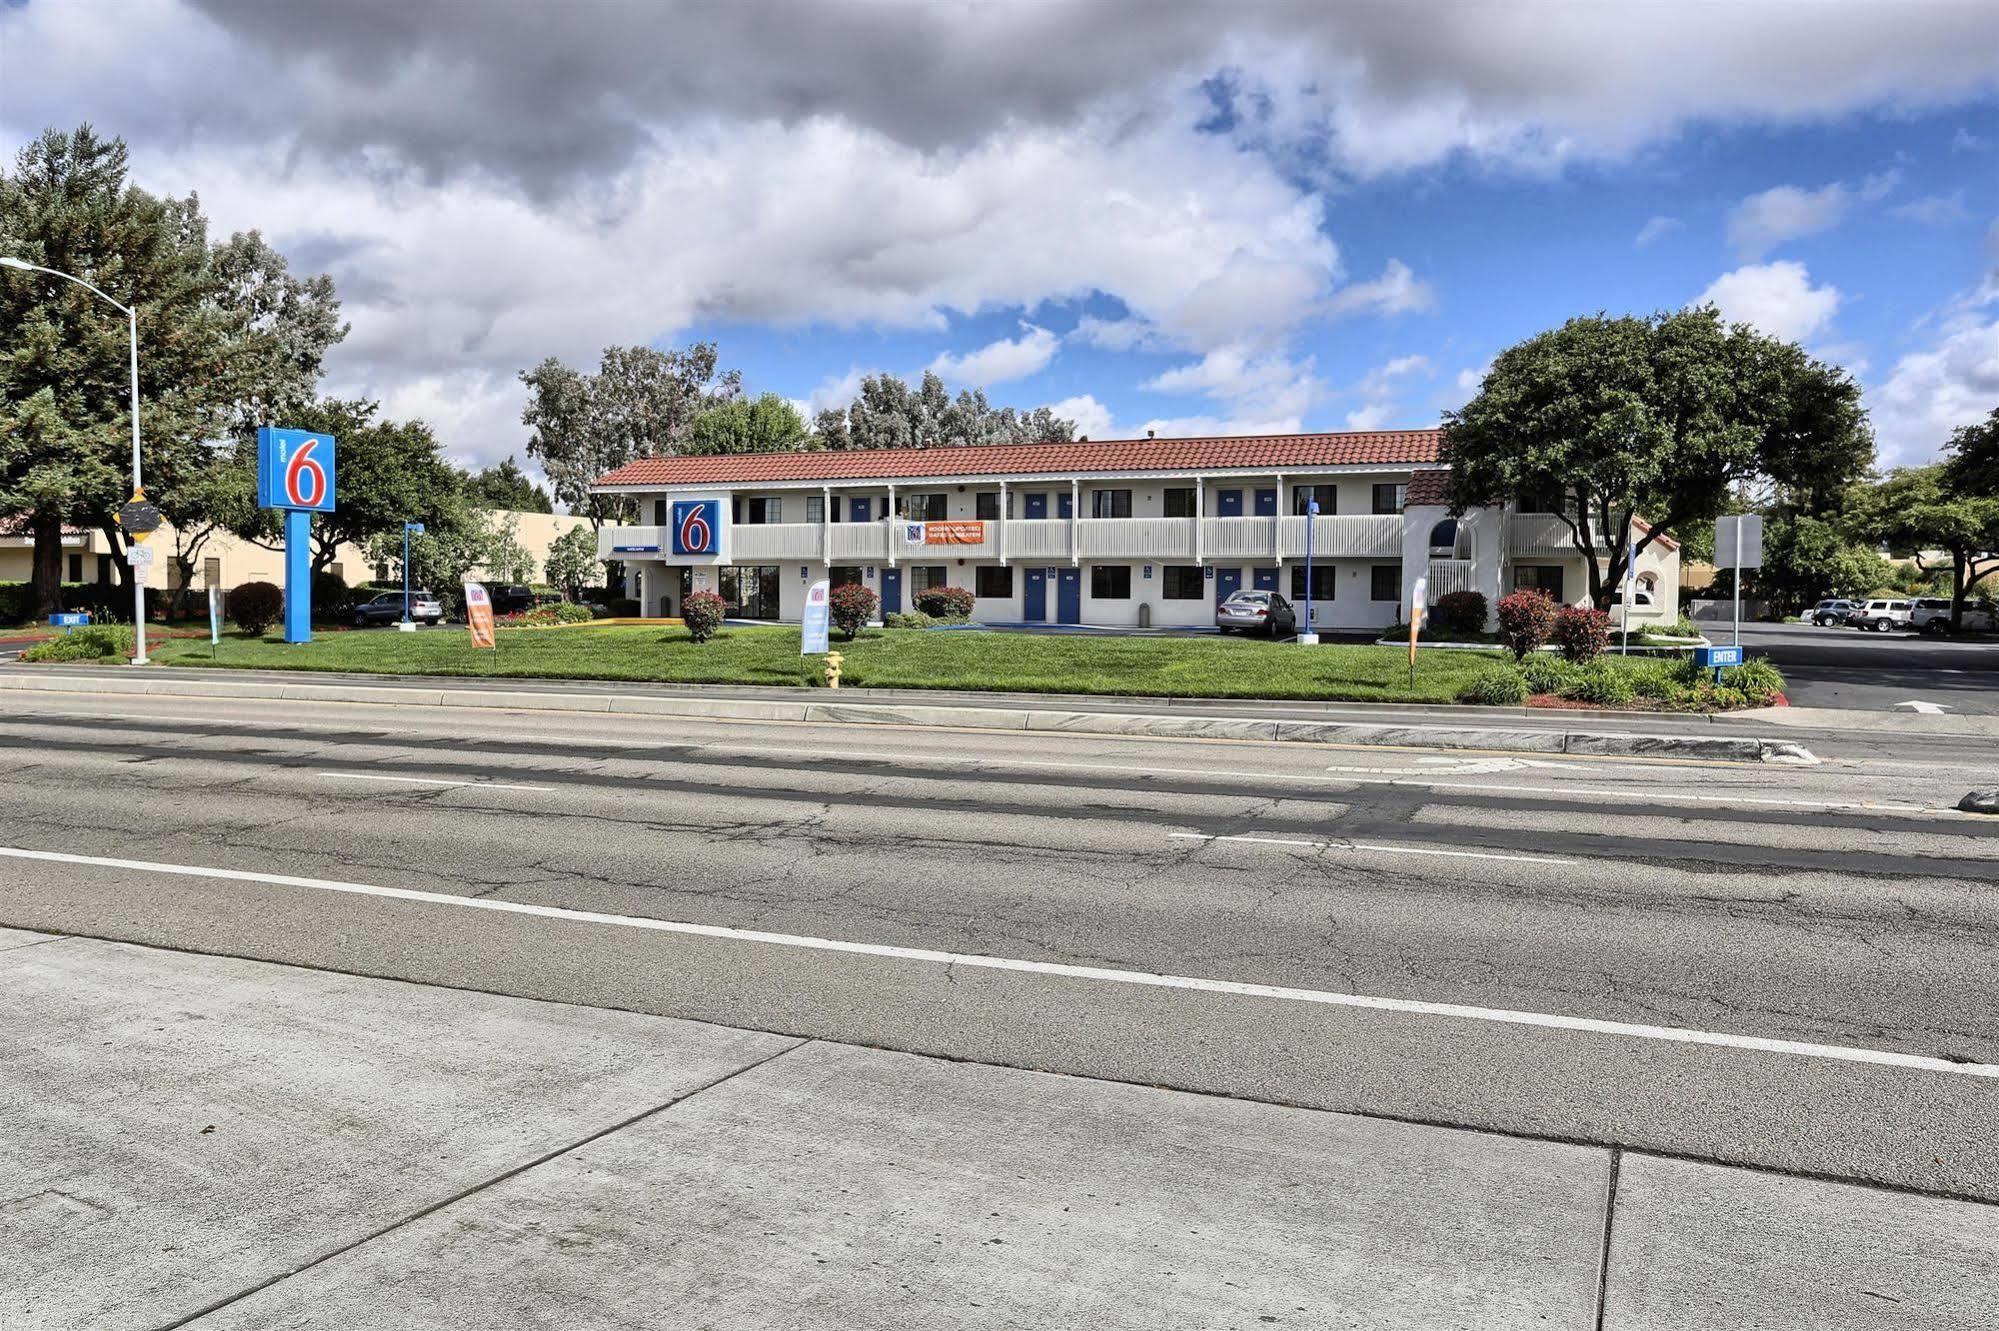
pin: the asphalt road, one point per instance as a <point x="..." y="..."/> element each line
<point x="1876" y="671"/>
<point x="1784" y="968"/>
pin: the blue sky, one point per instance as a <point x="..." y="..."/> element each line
<point x="1234" y="215"/>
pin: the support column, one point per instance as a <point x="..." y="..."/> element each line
<point x="1075" y="516"/>
<point x="1002" y="524"/>
<point x="889" y="521"/>
<point x="826" y="524"/>
<point x="1200" y="514"/>
<point x="1277" y="525"/>
<point x="298" y="575"/>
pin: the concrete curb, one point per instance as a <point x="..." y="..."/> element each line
<point x="1722" y="748"/>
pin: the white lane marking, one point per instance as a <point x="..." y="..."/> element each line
<point x="428" y="781"/>
<point x="1150" y="979"/>
<point x="1372" y="846"/>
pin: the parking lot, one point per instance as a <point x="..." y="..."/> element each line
<point x="1839" y="667"/>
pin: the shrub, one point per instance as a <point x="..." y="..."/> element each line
<point x="93" y="642"/>
<point x="1525" y="621"/>
<point x="331" y="600"/>
<point x="1679" y="628"/>
<point x="1500" y="687"/>
<point x="1759" y="679"/>
<point x="917" y="620"/>
<point x="945" y="602"/>
<point x="1546" y="674"/>
<point x="1581" y="632"/>
<point x="851" y="607"/>
<point x="622" y="607"/>
<point x="1661" y="681"/>
<point x="1458" y="614"/>
<point x="703" y="613"/>
<point x="547" y="616"/>
<point x="1601" y="683"/>
<point x="255" y="606"/>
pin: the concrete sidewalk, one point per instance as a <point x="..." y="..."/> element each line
<point x="218" y="1143"/>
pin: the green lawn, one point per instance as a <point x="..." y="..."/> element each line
<point x="911" y="658"/>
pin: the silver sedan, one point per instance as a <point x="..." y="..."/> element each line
<point x="1256" y="612"/>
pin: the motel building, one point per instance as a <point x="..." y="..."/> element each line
<point x="1125" y="533"/>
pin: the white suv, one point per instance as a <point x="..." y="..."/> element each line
<point x="1932" y="616"/>
<point x="1881" y="616"/>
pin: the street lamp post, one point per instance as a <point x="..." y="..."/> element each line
<point x="408" y="625"/>
<point x="132" y="324"/>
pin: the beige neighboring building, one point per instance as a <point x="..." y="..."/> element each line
<point x="229" y="561"/>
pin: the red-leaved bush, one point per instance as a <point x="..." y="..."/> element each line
<point x="1582" y="632"/>
<point x="1526" y="618"/>
<point x="945" y="602"/>
<point x="1457" y="614"/>
<point x="851" y="606"/>
<point x="703" y="613"/>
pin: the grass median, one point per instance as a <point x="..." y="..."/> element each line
<point x="883" y="658"/>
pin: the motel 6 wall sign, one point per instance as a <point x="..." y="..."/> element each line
<point x="697" y="529"/>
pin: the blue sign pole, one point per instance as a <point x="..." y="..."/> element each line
<point x="298" y="575"/>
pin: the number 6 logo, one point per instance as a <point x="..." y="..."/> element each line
<point x="694" y="527"/>
<point x="305" y="479"/>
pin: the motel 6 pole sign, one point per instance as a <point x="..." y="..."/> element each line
<point x="295" y="475"/>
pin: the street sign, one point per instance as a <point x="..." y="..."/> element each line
<point x="813" y="639"/>
<point x="1714" y="658"/>
<point x="1747" y="528"/>
<point x="69" y="619"/>
<point x="139" y="518"/>
<point x="140" y="557"/>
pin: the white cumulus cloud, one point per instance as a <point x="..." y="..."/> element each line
<point x="997" y="362"/>
<point x="1777" y="298"/>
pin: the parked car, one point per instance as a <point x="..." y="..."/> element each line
<point x="1831" y="614"/>
<point x="388" y="609"/>
<point x="512" y="598"/>
<point x="1882" y="616"/>
<point x="1256" y="612"/>
<point x="1931" y="615"/>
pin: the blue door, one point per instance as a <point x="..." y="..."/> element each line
<point x="1034" y="604"/>
<point x="1037" y="506"/>
<point x="891" y="591"/>
<point x="1228" y="503"/>
<point x="1228" y="581"/>
<point x="861" y="510"/>
<point x="1266" y="503"/>
<point x="1069" y="596"/>
<point x="1266" y="579"/>
<point x="1064" y="506"/>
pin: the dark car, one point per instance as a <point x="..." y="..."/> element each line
<point x="512" y="598"/>
<point x="388" y="609"/>
<point x="1256" y="612"/>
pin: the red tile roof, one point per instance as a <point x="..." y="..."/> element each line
<point x="1429" y="486"/>
<point x="1276" y="452"/>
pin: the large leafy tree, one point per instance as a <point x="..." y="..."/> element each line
<point x="1618" y="419"/>
<point x="572" y="561"/>
<point x="224" y="333"/>
<point x="642" y="402"/>
<point x="767" y="424"/>
<point x="887" y="413"/>
<point x="509" y="488"/>
<point x="1922" y="513"/>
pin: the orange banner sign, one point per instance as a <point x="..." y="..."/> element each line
<point x="479" y="615"/>
<point x="954" y="533"/>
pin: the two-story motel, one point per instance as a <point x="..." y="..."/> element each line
<point x="1116" y="533"/>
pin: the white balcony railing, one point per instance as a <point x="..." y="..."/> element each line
<point x="759" y="542"/>
<point x="1351" y="535"/>
<point x="618" y="542"/>
<point x="1539" y="534"/>
<point x="1223" y="540"/>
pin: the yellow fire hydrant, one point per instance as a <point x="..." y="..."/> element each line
<point x="832" y="670"/>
